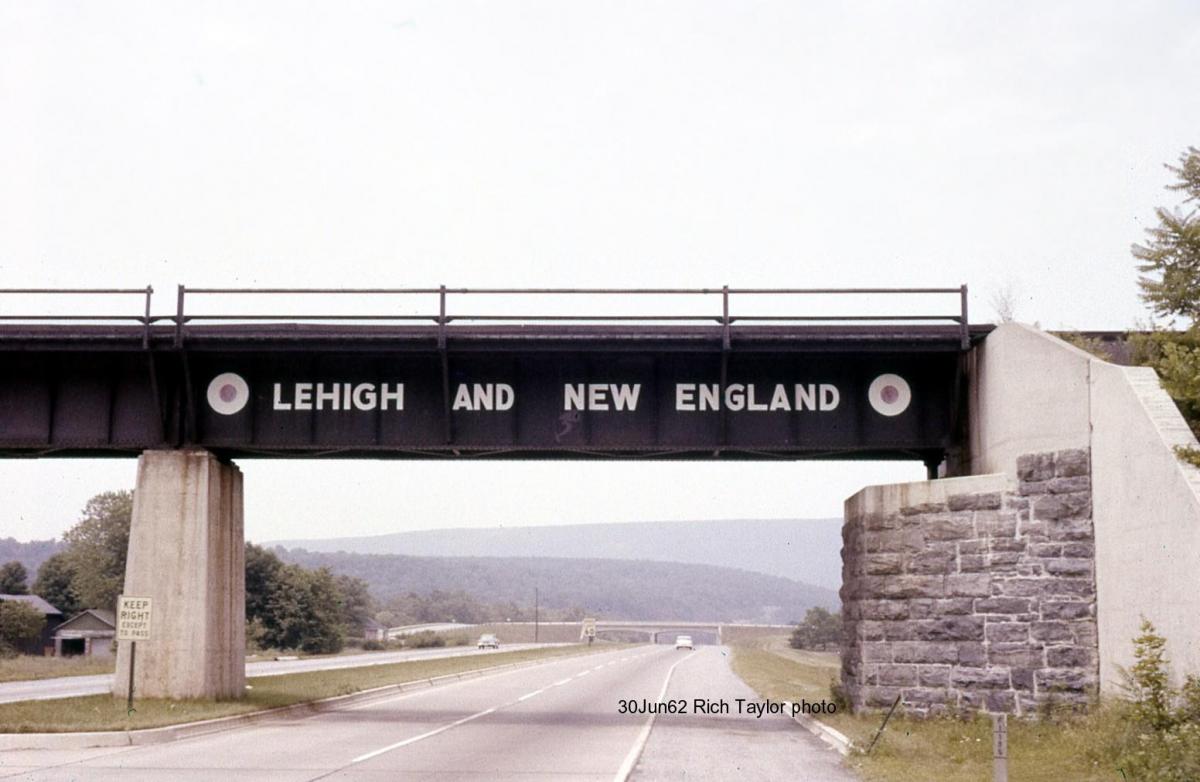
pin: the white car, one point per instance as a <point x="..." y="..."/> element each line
<point x="489" y="641"/>
<point x="684" y="642"/>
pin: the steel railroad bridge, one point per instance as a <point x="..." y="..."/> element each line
<point x="426" y="373"/>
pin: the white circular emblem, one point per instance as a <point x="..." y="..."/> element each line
<point x="889" y="394"/>
<point x="228" y="393"/>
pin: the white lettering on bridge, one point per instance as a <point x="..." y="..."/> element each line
<point x="339" y="396"/>
<point x="601" y="396"/>
<point x="701" y="397"/>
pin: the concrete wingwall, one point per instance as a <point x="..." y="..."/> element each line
<point x="1032" y="392"/>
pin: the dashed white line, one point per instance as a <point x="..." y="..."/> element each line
<point x="464" y="720"/>
<point x="423" y="736"/>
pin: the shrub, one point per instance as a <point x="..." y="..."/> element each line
<point x="426" y="639"/>
<point x="838" y="696"/>
<point x="1147" y="683"/>
<point x="819" y="629"/>
<point x="19" y="624"/>
<point x="373" y="646"/>
<point x="1160" y="740"/>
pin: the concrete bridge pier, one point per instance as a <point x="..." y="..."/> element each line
<point x="187" y="553"/>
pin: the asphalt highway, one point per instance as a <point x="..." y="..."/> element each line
<point x="559" y="720"/>
<point x="72" y="686"/>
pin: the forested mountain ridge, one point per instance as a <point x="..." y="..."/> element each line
<point x="806" y="550"/>
<point x="31" y="554"/>
<point x="626" y="589"/>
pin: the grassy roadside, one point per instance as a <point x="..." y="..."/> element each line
<point x="777" y="672"/>
<point x="103" y="712"/>
<point x="23" y="668"/>
<point x="948" y="750"/>
<point x="29" y="667"/>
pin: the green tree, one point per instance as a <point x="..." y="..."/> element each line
<point x="19" y="624"/>
<point x="55" y="584"/>
<point x="1170" y="259"/>
<point x="262" y="578"/>
<point x="96" y="549"/>
<point x="1170" y="264"/>
<point x="356" y="605"/>
<point x="820" y="628"/>
<point x="303" y="611"/>
<point x="13" y="579"/>
<point x="291" y="607"/>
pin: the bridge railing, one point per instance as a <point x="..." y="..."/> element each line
<point x="40" y="296"/>
<point x="435" y="307"/>
<point x="440" y="307"/>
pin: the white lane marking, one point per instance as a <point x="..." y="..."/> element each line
<point x="561" y="682"/>
<point x="581" y="674"/>
<point x="415" y="739"/>
<point x="456" y="723"/>
<point x="635" y="751"/>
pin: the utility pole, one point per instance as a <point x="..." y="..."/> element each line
<point x="535" y="614"/>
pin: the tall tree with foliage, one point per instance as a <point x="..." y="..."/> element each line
<point x="96" y="549"/>
<point x="55" y="584"/>
<point x="356" y="605"/>
<point x="13" y="579"/>
<point x="1170" y="264"/>
<point x="1170" y="259"/>
<point x="291" y="607"/>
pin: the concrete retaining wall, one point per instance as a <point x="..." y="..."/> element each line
<point x="1147" y="519"/>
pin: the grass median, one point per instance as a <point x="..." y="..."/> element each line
<point x="33" y="667"/>
<point x="103" y="712"/>
<point x="1059" y="747"/>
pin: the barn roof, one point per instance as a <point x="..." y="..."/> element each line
<point x="33" y="601"/>
<point x="107" y="617"/>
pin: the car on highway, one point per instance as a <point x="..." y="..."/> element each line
<point x="684" y="642"/>
<point x="488" y="641"/>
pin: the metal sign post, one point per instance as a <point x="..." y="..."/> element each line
<point x="133" y="625"/>
<point x="129" y="692"/>
<point x="1000" y="748"/>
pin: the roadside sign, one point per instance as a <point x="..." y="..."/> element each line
<point x="133" y="618"/>
<point x="589" y="628"/>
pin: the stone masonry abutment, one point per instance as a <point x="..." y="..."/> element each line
<point x="972" y="593"/>
<point x="1027" y="579"/>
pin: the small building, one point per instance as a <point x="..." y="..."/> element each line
<point x="44" y="643"/>
<point x="89" y="633"/>
<point x="373" y="631"/>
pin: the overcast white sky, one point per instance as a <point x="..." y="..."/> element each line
<point x="555" y="143"/>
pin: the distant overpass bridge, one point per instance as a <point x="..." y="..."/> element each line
<point x="719" y="631"/>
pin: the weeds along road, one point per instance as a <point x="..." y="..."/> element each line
<point x="558" y="720"/>
<point x="71" y="686"/>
